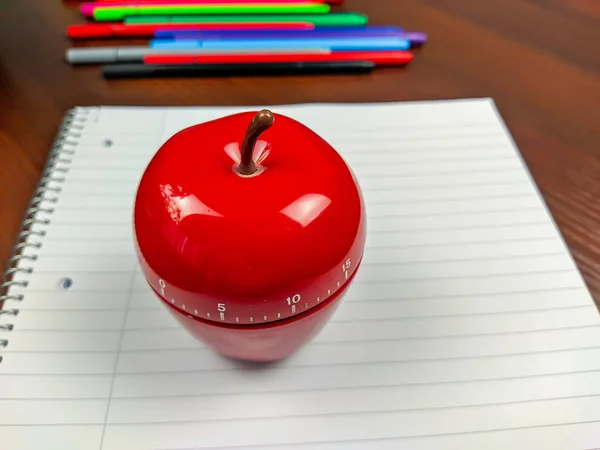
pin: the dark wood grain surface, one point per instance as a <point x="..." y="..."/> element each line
<point x="538" y="59"/>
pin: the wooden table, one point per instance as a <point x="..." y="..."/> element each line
<point x="538" y="59"/>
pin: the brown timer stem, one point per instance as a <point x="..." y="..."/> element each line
<point x="260" y="123"/>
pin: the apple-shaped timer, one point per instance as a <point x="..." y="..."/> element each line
<point x="249" y="229"/>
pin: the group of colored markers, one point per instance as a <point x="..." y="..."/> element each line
<point x="236" y="37"/>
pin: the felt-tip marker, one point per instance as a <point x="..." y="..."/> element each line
<point x="377" y="43"/>
<point x="108" y="13"/>
<point x="373" y="30"/>
<point x="334" y="19"/>
<point x="87" y="8"/>
<point x="169" y="2"/>
<point x="100" y="30"/>
<point x="100" y="55"/>
<point x="112" y="71"/>
<point x="380" y="58"/>
<point x="415" y="38"/>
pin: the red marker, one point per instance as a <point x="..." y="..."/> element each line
<point x="380" y="58"/>
<point x="148" y="30"/>
<point x="175" y="2"/>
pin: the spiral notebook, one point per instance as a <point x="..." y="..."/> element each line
<point x="467" y="327"/>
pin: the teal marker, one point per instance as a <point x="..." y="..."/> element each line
<point x="111" y="13"/>
<point x="319" y="20"/>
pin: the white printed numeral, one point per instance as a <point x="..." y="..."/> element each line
<point x="345" y="267"/>
<point x="221" y="308"/>
<point x="293" y="299"/>
<point x="162" y="285"/>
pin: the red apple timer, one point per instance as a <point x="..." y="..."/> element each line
<point x="249" y="229"/>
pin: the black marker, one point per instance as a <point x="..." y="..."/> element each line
<point x="253" y="69"/>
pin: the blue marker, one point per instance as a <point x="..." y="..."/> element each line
<point x="414" y="37"/>
<point x="374" y="31"/>
<point x="365" y="43"/>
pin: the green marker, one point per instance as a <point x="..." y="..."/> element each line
<point x="319" y="20"/>
<point x="120" y="12"/>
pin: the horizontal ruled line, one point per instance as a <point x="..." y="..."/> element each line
<point x="120" y="185"/>
<point x="507" y="274"/>
<point x="344" y="134"/>
<point x="512" y="197"/>
<point x="461" y="243"/>
<point x="399" y="139"/>
<point x="314" y="343"/>
<point x="108" y="291"/>
<point x="365" y="263"/>
<point x="329" y="442"/>
<point x="329" y="364"/>
<point x="334" y="414"/>
<point x="437" y="186"/>
<point x="313" y="389"/>
<point x="423" y="338"/>
<point x="459" y="226"/>
<point x="391" y="265"/>
<point x="427" y="161"/>
<point x="333" y="320"/>
<point x="387" y="439"/>
<point x="117" y="184"/>
<point x="369" y="245"/>
<point x="437" y="172"/>
<point x="140" y="165"/>
<point x="354" y="413"/>
<point x="370" y="217"/>
<point x="347" y="150"/>
<point x="373" y="201"/>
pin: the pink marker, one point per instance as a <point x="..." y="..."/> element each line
<point x="87" y="9"/>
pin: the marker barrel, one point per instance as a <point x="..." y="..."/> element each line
<point x="88" y="31"/>
<point x="384" y="43"/>
<point x="100" y="55"/>
<point x="87" y="9"/>
<point x="341" y="19"/>
<point x="111" y="13"/>
<point x="113" y="71"/>
<point x="380" y="58"/>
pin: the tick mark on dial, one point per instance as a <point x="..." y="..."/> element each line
<point x="222" y="315"/>
<point x="251" y="319"/>
<point x="173" y="300"/>
<point x="196" y="311"/>
<point x="293" y="309"/>
<point x="237" y="319"/>
<point x="318" y="299"/>
<point x="328" y="291"/>
<point x="306" y="305"/>
<point x="338" y="284"/>
<point x="278" y="315"/>
<point x="183" y="306"/>
<point x="265" y="318"/>
<point x="208" y="315"/>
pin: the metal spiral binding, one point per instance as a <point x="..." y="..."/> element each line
<point x="46" y="194"/>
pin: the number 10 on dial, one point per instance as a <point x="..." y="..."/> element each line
<point x="292" y="301"/>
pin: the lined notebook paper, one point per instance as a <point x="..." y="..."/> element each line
<point x="468" y="325"/>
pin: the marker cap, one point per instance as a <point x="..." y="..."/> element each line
<point x="90" y="31"/>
